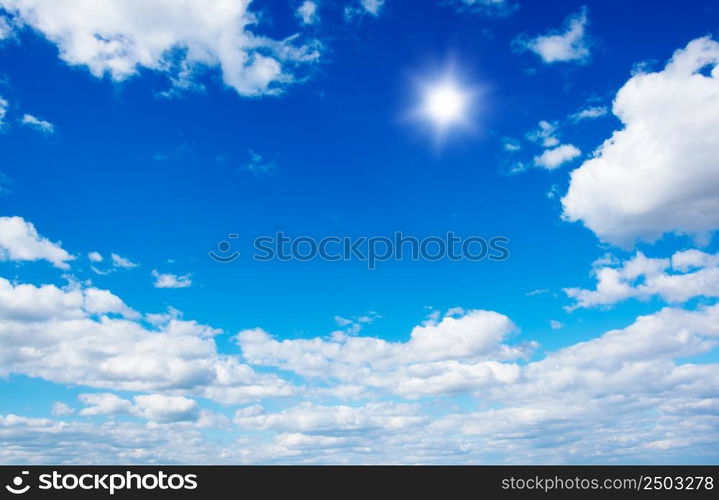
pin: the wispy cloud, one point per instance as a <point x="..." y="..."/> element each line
<point x="168" y="280"/>
<point x="258" y="164"/>
<point x="560" y="46"/>
<point x="38" y="124"/>
<point x="122" y="262"/>
<point x="589" y="113"/>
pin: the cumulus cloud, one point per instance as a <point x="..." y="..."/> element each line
<point x="20" y="241"/>
<point x="566" y="392"/>
<point x="632" y="387"/>
<point x="162" y="408"/>
<point x="177" y="37"/>
<point x="625" y="385"/>
<point x="158" y="408"/>
<point x="453" y="354"/>
<point x="608" y="363"/>
<point x="168" y="280"/>
<point x="99" y="301"/>
<point x="687" y="274"/>
<point x="638" y="356"/>
<point x="38" y="124"/>
<point x="561" y="46"/>
<point x="546" y="134"/>
<point x="312" y="418"/>
<point x="104" y="404"/>
<point x="658" y="174"/>
<point x="556" y="157"/>
<point x="307" y="12"/>
<point x="555" y="154"/>
<point x="60" y="409"/>
<point x="629" y="393"/>
<point x="51" y="441"/>
<point x="90" y="337"/>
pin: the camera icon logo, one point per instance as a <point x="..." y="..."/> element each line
<point x="17" y="487"/>
<point x="224" y="247"/>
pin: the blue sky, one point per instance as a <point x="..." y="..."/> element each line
<point x="137" y="135"/>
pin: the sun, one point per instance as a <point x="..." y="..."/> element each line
<point x="445" y="103"/>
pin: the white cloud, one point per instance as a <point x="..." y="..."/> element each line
<point x="620" y="397"/>
<point x="363" y="7"/>
<point x="555" y="154"/>
<point x="622" y="358"/>
<point x="627" y="394"/>
<point x="589" y="113"/>
<point x="20" y="241"/>
<point x="43" y="440"/>
<point x="177" y="37"/>
<point x="258" y="165"/>
<point x="161" y="408"/>
<point x="307" y="12"/>
<point x="167" y="280"/>
<point x="154" y="407"/>
<point x="693" y="274"/>
<point x="372" y="6"/>
<point x="311" y="418"/>
<point x="118" y="262"/>
<point x="90" y="337"/>
<point x="122" y="262"/>
<point x="693" y="259"/>
<point x="581" y="386"/>
<point x="497" y="8"/>
<point x="104" y="404"/>
<point x="555" y="325"/>
<point x="658" y="174"/>
<point x="623" y="385"/>
<point x="104" y="302"/>
<point x="94" y="256"/>
<point x="354" y="325"/>
<point x="3" y="110"/>
<point x="567" y="45"/>
<point x="553" y="158"/>
<point x="546" y="134"/>
<point x="60" y="409"/>
<point x="453" y="354"/>
<point x="38" y="124"/>
<point x="342" y="321"/>
<point x="511" y="145"/>
<point x="5" y="28"/>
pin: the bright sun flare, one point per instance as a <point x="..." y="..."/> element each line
<point x="445" y="103"/>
